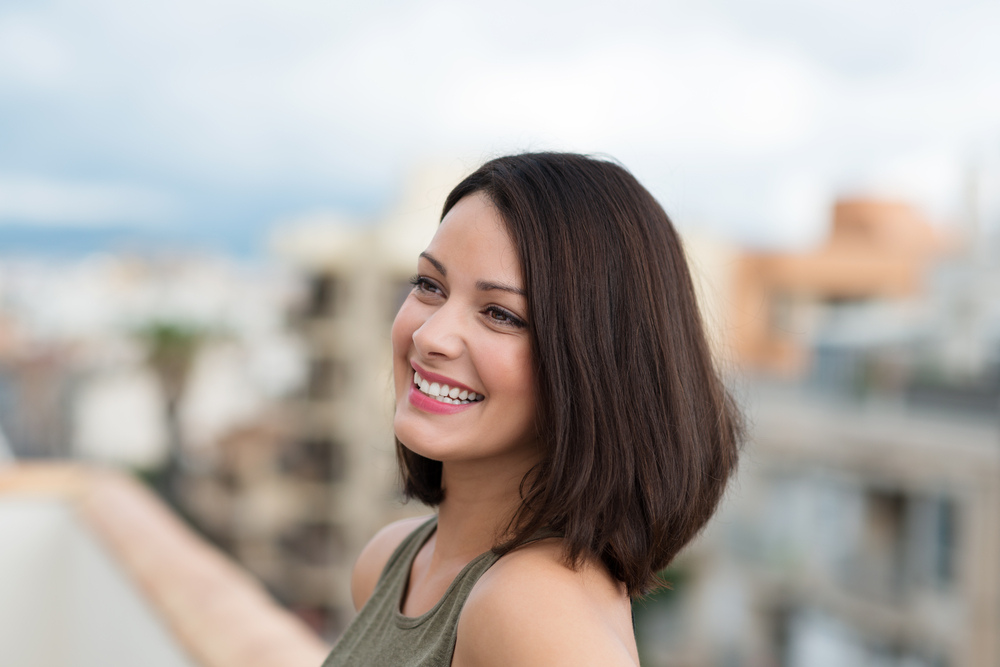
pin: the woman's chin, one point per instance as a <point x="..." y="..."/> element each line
<point x="415" y="438"/>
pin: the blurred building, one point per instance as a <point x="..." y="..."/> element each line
<point x="75" y="380"/>
<point x="855" y="534"/>
<point x="869" y="532"/>
<point x="37" y="385"/>
<point x="877" y="251"/>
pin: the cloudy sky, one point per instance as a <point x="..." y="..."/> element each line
<point x="211" y="119"/>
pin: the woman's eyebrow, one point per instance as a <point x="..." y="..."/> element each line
<point x="486" y="286"/>
<point x="437" y="265"/>
<point x="481" y="285"/>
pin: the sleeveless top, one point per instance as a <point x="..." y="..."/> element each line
<point x="381" y="636"/>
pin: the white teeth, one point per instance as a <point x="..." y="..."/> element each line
<point x="444" y="393"/>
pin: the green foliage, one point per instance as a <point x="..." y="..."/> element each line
<point x="167" y="339"/>
<point x="171" y="348"/>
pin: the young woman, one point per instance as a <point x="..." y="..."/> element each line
<point x="556" y="401"/>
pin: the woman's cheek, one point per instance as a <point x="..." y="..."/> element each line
<point x="402" y="339"/>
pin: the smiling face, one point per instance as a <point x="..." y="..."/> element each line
<point x="463" y="331"/>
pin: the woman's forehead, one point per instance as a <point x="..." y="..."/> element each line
<point x="474" y="238"/>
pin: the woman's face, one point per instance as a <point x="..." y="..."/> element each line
<point x="464" y="327"/>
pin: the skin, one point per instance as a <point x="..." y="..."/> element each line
<point x="466" y="320"/>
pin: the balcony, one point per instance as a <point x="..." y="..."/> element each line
<point x="97" y="571"/>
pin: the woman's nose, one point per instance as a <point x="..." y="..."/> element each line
<point x="440" y="335"/>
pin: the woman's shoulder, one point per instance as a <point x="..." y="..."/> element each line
<point x="372" y="559"/>
<point x="532" y="608"/>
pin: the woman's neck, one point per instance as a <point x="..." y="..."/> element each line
<point x="480" y="501"/>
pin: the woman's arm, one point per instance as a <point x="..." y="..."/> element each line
<point x="372" y="559"/>
<point x="531" y="609"/>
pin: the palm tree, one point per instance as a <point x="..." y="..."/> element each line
<point x="171" y="348"/>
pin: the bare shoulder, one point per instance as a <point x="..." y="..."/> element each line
<point x="372" y="559"/>
<point x="531" y="608"/>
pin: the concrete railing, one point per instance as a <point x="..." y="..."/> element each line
<point x="95" y="570"/>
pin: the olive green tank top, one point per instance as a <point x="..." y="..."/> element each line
<point x="381" y="636"/>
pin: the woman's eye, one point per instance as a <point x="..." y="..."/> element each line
<point x="504" y="317"/>
<point x="422" y="284"/>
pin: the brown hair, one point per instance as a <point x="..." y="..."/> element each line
<point x="640" y="433"/>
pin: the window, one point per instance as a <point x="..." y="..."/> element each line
<point x="315" y="459"/>
<point x="324" y="295"/>
<point x="327" y="378"/>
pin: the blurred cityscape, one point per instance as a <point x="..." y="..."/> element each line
<point x="255" y="398"/>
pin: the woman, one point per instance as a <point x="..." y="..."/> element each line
<point x="556" y="400"/>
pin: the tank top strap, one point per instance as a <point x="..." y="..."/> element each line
<point x="402" y="558"/>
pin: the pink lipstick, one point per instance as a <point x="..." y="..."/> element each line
<point x="426" y="403"/>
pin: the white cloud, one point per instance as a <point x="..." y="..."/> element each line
<point x="934" y="180"/>
<point x="727" y="97"/>
<point x="30" y="55"/>
<point x="700" y="95"/>
<point x="798" y="209"/>
<point x="40" y="200"/>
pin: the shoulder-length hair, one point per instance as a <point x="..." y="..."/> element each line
<point x="640" y="435"/>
